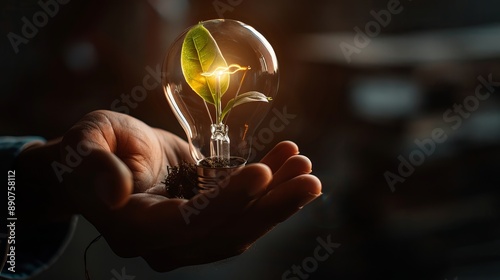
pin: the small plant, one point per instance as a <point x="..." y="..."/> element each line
<point x="208" y="74"/>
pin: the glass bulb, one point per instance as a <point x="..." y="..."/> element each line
<point x="221" y="78"/>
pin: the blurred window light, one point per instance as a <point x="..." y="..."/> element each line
<point x="481" y="127"/>
<point x="385" y="97"/>
<point x="171" y="10"/>
<point x="458" y="44"/>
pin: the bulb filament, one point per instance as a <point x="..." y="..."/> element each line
<point x="219" y="71"/>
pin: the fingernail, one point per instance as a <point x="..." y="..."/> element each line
<point x="310" y="197"/>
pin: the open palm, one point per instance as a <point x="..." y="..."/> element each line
<point x="116" y="188"/>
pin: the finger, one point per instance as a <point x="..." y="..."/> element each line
<point x="93" y="131"/>
<point x="276" y="206"/>
<point x="287" y="198"/>
<point x="146" y="223"/>
<point x="96" y="178"/>
<point x="99" y="182"/>
<point x="232" y="196"/>
<point x="293" y="167"/>
<point x="279" y="154"/>
<point x="180" y="223"/>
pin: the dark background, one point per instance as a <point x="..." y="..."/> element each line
<point x="352" y="119"/>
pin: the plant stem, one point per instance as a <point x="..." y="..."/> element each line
<point x="218" y="102"/>
<point x="219" y="144"/>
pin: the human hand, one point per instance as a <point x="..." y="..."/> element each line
<point x="115" y="188"/>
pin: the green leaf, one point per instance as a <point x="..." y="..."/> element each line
<point x="251" y="96"/>
<point x="201" y="54"/>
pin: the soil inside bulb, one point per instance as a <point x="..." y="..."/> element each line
<point x="216" y="162"/>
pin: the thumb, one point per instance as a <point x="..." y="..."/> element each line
<point x="101" y="181"/>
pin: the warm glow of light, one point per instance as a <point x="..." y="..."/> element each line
<point x="231" y="69"/>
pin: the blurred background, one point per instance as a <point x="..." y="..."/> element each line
<point x="364" y="88"/>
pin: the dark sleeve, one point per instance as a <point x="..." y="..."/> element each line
<point x="25" y="251"/>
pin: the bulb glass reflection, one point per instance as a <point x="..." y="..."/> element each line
<point x="221" y="79"/>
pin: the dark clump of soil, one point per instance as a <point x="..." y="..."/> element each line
<point x="181" y="181"/>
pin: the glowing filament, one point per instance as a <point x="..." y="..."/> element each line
<point x="231" y="69"/>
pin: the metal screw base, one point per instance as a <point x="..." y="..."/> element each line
<point x="216" y="177"/>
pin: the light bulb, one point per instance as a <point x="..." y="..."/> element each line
<point x="221" y="78"/>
